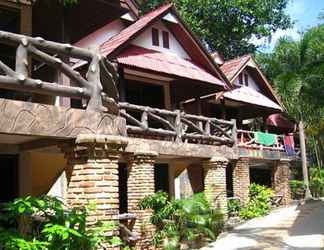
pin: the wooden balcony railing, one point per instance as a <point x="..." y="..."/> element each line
<point x="247" y="139"/>
<point x="30" y="50"/>
<point x="177" y="125"/>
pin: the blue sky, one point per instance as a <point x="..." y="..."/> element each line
<point x="304" y="13"/>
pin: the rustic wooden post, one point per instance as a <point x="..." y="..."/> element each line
<point x="234" y="132"/>
<point x="178" y="125"/>
<point x="22" y="60"/>
<point x="207" y="128"/>
<point x="144" y="119"/>
<point x="93" y="76"/>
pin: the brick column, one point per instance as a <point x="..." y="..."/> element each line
<point x="280" y="180"/>
<point x="140" y="184"/>
<point x="241" y="180"/>
<point x="215" y="182"/>
<point x="93" y="175"/>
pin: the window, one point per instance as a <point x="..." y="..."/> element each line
<point x="246" y="79"/>
<point x="166" y="43"/>
<point x="155" y="37"/>
<point x="241" y="79"/>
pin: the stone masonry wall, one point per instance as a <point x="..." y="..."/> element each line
<point x="93" y="176"/>
<point x="215" y="182"/>
<point x="280" y="180"/>
<point x="241" y="180"/>
<point x="140" y="184"/>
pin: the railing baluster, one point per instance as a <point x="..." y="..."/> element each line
<point x="207" y="128"/>
<point x="178" y="126"/>
<point x="144" y="119"/>
<point x="234" y="132"/>
<point x="22" y="60"/>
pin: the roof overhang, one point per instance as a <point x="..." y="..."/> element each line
<point x="166" y="64"/>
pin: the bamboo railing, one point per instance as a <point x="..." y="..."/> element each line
<point x="50" y="53"/>
<point x="177" y="126"/>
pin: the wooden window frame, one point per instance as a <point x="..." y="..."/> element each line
<point x="155" y="37"/>
<point x="241" y="79"/>
<point x="246" y="79"/>
<point x="166" y="39"/>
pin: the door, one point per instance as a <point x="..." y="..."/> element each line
<point x="8" y="177"/>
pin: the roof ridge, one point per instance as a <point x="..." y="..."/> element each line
<point x="134" y="28"/>
<point x="239" y="58"/>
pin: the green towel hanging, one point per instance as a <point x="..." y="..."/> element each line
<point x="265" y="138"/>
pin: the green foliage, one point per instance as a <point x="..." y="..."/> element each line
<point x="297" y="188"/>
<point x="228" y="26"/>
<point x="297" y="71"/>
<point x="185" y="220"/>
<point x="316" y="183"/>
<point x="55" y="228"/>
<point x="233" y="206"/>
<point x="259" y="203"/>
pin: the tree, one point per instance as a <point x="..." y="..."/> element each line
<point x="297" y="70"/>
<point x="228" y="26"/>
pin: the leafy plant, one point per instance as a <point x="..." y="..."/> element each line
<point x="51" y="226"/>
<point x="316" y="183"/>
<point x="259" y="203"/>
<point x="297" y="188"/>
<point x="182" y="221"/>
<point x="233" y="206"/>
<point x="230" y="26"/>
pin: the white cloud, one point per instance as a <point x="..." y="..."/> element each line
<point x="267" y="44"/>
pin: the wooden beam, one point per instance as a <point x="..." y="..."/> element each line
<point x="38" y="144"/>
<point x="33" y="119"/>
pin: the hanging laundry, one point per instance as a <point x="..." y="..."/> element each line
<point x="289" y="145"/>
<point x="266" y="139"/>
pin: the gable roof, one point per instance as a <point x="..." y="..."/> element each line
<point x="185" y="37"/>
<point x="116" y="42"/>
<point x="234" y="67"/>
<point x="251" y="96"/>
<point x="147" y="59"/>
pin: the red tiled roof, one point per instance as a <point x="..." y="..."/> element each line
<point x="231" y="67"/>
<point x="167" y="63"/>
<point x="115" y="42"/>
<point x="249" y="95"/>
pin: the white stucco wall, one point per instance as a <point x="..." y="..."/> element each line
<point x="145" y="41"/>
<point x="252" y="82"/>
<point x="101" y="35"/>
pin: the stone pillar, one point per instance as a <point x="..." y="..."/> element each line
<point x="92" y="175"/>
<point x="140" y="184"/>
<point x="280" y="180"/>
<point x="215" y="182"/>
<point x="241" y="180"/>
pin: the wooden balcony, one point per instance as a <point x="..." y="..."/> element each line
<point x="177" y="126"/>
<point x="247" y="142"/>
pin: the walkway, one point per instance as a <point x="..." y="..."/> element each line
<point x="296" y="227"/>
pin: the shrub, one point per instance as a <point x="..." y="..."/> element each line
<point x="50" y="226"/>
<point x="233" y="206"/>
<point x="186" y="220"/>
<point x="259" y="203"/>
<point x="297" y="188"/>
<point x="316" y="183"/>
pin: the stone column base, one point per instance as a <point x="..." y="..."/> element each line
<point x="215" y="182"/>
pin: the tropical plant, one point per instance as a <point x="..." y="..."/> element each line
<point x="182" y="221"/>
<point x="297" y="189"/>
<point x="297" y="70"/>
<point x="259" y="203"/>
<point x="233" y="207"/>
<point x="48" y="225"/>
<point x="229" y="26"/>
<point x="317" y="181"/>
